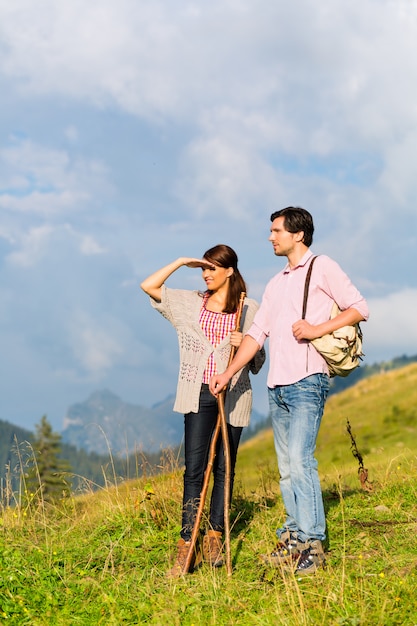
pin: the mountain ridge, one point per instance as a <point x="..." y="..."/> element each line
<point x="105" y="421"/>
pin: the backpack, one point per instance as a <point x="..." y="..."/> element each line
<point x="341" y="349"/>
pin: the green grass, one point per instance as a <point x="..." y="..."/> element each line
<point x="101" y="558"/>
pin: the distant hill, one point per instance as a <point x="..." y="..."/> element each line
<point x="339" y="384"/>
<point x="10" y="437"/>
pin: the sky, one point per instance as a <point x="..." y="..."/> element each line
<point x="134" y="132"/>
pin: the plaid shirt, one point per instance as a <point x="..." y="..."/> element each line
<point x="216" y="326"/>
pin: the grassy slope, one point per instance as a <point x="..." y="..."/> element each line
<point x="382" y="411"/>
<point x="101" y="558"/>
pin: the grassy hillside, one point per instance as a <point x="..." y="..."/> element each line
<point x="382" y="411"/>
<point x="101" y="558"/>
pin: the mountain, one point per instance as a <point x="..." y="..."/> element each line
<point x="105" y="422"/>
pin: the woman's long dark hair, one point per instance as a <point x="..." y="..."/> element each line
<point x="225" y="256"/>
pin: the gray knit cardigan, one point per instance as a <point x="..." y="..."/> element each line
<point x="182" y="309"/>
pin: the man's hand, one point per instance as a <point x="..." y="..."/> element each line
<point x="218" y="383"/>
<point x="303" y="330"/>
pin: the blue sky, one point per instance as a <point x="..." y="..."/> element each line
<point x="134" y="132"/>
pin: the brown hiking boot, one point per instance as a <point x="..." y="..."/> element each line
<point x="212" y="548"/>
<point x="177" y="569"/>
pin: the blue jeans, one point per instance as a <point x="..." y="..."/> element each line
<point x="296" y="412"/>
<point x="198" y="431"/>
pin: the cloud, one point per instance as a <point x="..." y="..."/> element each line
<point x="32" y="246"/>
<point x="133" y="133"/>
<point x="47" y="182"/>
<point x="391" y="329"/>
<point x="94" y="347"/>
<point x="39" y="242"/>
<point x="175" y="59"/>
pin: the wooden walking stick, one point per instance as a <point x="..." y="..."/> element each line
<point x="227" y="463"/>
<point x="221" y="425"/>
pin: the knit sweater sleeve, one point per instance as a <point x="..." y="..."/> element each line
<point x="181" y="308"/>
<point x="259" y="359"/>
<point x="175" y="305"/>
<point x="238" y="401"/>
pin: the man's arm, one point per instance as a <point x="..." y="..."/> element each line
<point x="247" y="350"/>
<point x="304" y="330"/>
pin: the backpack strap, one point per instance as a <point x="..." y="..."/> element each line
<point x="306" y="286"/>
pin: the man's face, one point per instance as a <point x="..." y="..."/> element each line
<point x="282" y="241"/>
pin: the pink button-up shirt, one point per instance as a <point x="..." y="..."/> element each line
<point x="282" y="305"/>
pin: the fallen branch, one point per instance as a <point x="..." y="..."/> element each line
<point x="362" y="471"/>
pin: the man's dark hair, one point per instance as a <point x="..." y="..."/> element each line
<point x="296" y="220"/>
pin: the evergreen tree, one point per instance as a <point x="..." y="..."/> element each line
<point x="47" y="471"/>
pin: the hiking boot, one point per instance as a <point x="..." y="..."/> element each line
<point x="177" y="569"/>
<point x="212" y="548"/>
<point x="287" y="550"/>
<point x="311" y="559"/>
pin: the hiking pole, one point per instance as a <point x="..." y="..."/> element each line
<point x="210" y="463"/>
<point x="227" y="463"/>
<point x="226" y="449"/>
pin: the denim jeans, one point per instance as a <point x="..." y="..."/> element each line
<point x="198" y="431"/>
<point x="296" y="412"/>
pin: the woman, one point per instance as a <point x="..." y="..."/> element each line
<point x="205" y="323"/>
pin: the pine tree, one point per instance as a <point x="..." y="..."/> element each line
<point x="47" y="471"/>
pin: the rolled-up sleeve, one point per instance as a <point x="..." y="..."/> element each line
<point x="257" y="334"/>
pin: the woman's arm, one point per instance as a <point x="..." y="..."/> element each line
<point x="153" y="284"/>
<point x="247" y="350"/>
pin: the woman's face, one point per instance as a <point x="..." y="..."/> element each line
<point x="216" y="277"/>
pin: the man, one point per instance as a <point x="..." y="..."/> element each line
<point x="298" y="378"/>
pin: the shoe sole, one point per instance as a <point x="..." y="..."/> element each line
<point x="280" y="561"/>
<point x="311" y="570"/>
